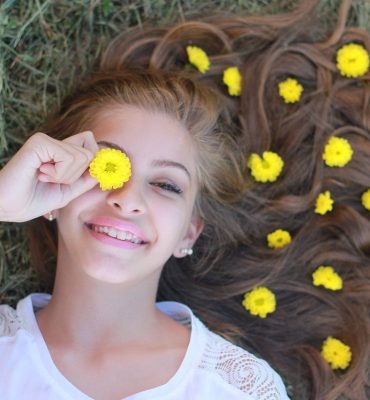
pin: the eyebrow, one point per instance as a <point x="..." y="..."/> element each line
<point x="155" y="163"/>
<point x="112" y="145"/>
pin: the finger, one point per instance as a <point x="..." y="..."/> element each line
<point x="63" y="166"/>
<point x="76" y="173"/>
<point x="56" y="172"/>
<point x="69" y="158"/>
<point x="85" y="141"/>
<point x="90" y="147"/>
<point x="47" y="168"/>
<point x="47" y="150"/>
<point x="68" y="164"/>
<point x="82" y="185"/>
<point x="90" y="143"/>
<point x="43" y="178"/>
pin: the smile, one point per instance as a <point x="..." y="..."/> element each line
<point x="114" y="236"/>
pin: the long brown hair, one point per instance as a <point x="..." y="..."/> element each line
<point x="231" y="257"/>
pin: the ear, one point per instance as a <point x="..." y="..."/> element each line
<point x="194" y="230"/>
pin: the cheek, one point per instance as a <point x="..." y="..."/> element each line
<point x="165" y="213"/>
<point x="170" y="217"/>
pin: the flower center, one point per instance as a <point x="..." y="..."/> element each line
<point x="110" y="167"/>
<point x="260" y="302"/>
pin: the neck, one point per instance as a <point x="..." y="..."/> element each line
<point x="85" y="313"/>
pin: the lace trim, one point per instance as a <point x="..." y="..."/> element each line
<point x="241" y="369"/>
<point x="10" y="323"/>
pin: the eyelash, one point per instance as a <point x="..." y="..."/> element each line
<point x="168" y="186"/>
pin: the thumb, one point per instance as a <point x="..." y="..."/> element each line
<point x="85" y="183"/>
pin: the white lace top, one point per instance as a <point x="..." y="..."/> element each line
<point x="212" y="367"/>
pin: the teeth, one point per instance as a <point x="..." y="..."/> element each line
<point x="114" y="233"/>
<point x="129" y="236"/>
<point x="121" y="235"/>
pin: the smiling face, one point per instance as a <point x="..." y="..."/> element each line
<point x="157" y="202"/>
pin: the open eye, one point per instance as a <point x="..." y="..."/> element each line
<point x="171" y="187"/>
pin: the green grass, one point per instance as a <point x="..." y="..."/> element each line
<point x="46" y="46"/>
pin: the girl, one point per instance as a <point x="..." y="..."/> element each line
<point x="101" y="335"/>
<point x="242" y="204"/>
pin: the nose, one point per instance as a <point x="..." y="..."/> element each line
<point x="129" y="199"/>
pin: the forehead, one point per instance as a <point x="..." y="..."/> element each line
<point x="125" y="121"/>
<point x="145" y="133"/>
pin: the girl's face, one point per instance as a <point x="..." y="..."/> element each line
<point x="157" y="203"/>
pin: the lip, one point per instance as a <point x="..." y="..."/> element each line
<point x="112" y="241"/>
<point x="118" y="224"/>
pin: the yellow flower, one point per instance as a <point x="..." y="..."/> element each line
<point x="336" y="353"/>
<point x="326" y="276"/>
<point x="111" y="167"/>
<point x="324" y="203"/>
<point x="365" y="199"/>
<point x="337" y="152"/>
<point x="260" y="301"/>
<point x="267" y="168"/>
<point x="290" y="90"/>
<point x="198" y="58"/>
<point x="352" y="60"/>
<point x="233" y="80"/>
<point x="278" y="239"/>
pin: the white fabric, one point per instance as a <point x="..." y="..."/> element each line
<point x="212" y="368"/>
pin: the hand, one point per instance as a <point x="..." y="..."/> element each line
<point x="46" y="174"/>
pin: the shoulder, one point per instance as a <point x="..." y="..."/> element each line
<point x="10" y="322"/>
<point x="241" y="369"/>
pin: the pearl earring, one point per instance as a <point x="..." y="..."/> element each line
<point x="50" y="217"/>
<point x="187" y="251"/>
